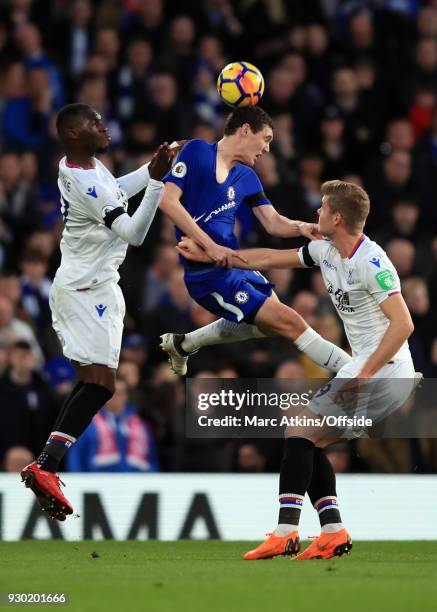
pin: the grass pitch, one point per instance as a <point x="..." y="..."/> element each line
<point x="189" y="576"/>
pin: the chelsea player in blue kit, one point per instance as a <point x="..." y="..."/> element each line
<point x="202" y="194"/>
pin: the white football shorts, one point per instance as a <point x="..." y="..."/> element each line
<point x="386" y="391"/>
<point x="89" y="323"/>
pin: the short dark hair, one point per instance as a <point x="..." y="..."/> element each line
<point x="255" y="116"/>
<point x="69" y="114"/>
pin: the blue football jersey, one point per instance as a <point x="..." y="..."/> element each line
<point x="214" y="205"/>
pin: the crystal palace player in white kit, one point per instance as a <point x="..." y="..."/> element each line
<point x="86" y="302"/>
<point x="365" y="290"/>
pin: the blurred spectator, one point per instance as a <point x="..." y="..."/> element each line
<point x="61" y="375"/>
<point x="134" y="348"/>
<point x="305" y="303"/>
<point x="329" y="327"/>
<point x="421" y="109"/>
<point x="35" y="288"/>
<point x="166" y="109"/>
<point x="107" y="46"/>
<point x="29" y="42"/>
<point x="148" y="22"/>
<point x="165" y="260"/>
<point x="250" y="459"/>
<point x="26" y="117"/>
<point x="18" y="209"/>
<point x="282" y="279"/>
<point x="333" y="142"/>
<point x="16" y="458"/>
<point x="399" y="136"/>
<point x="290" y="369"/>
<point x="389" y="182"/>
<point x="28" y="406"/>
<point x="416" y="296"/>
<point x="13" y="330"/>
<point x="75" y="38"/>
<point x="390" y="456"/>
<point x="402" y="254"/>
<point x="129" y="371"/>
<point x="339" y="456"/>
<point x="132" y="78"/>
<point x="117" y="440"/>
<point x="176" y="57"/>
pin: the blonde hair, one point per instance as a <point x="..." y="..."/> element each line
<point x="349" y="200"/>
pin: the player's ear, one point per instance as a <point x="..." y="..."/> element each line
<point x="245" y="128"/>
<point x="71" y="133"/>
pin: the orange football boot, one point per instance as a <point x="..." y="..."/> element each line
<point x="274" y="545"/>
<point x="327" y="545"/>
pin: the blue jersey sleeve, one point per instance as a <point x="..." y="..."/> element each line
<point x="255" y="192"/>
<point x="186" y="162"/>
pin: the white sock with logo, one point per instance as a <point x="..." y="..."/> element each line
<point x="220" y="332"/>
<point x="321" y="351"/>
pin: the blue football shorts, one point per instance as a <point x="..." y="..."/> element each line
<point x="235" y="295"/>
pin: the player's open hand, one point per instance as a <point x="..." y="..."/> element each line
<point x="191" y="250"/>
<point x="162" y="161"/>
<point x="310" y="230"/>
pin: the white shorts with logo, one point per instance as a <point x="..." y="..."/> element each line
<point x="89" y="323"/>
<point x="387" y="391"/>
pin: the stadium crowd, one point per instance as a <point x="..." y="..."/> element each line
<point x="352" y="89"/>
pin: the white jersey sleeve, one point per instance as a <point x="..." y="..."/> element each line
<point x="311" y="254"/>
<point x="102" y="205"/>
<point x="380" y="277"/>
<point x="135" y="181"/>
<point x="134" y="229"/>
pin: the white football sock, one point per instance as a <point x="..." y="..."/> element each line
<point x="332" y="527"/>
<point x="220" y="332"/>
<point x="284" y="529"/>
<point x="322" y="352"/>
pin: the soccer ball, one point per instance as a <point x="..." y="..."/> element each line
<point x="240" y="84"/>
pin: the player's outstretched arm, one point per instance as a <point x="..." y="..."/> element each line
<point x="252" y="259"/>
<point x="278" y="225"/>
<point x="399" y="330"/>
<point x="134" y="229"/>
<point x="172" y="207"/>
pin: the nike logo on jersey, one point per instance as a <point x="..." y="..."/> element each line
<point x="375" y="261"/>
<point x="196" y="219"/>
<point x="101" y="309"/>
<point x="91" y="191"/>
<point x="326" y="363"/>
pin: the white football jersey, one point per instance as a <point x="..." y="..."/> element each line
<point x="91" y="252"/>
<point x="357" y="285"/>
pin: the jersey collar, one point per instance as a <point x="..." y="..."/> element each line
<point x="79" y="167"/>
<point x="357" y="246"/>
